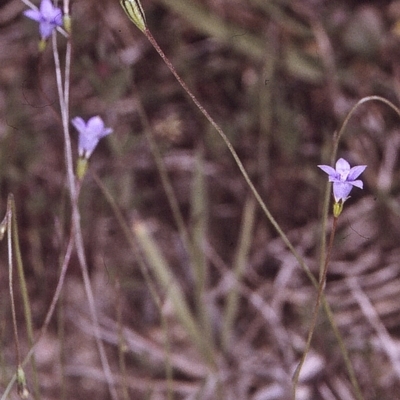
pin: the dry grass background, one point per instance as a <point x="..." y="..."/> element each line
<point x="280" y="77"/>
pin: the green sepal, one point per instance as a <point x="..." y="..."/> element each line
<point x="67" y="23"/>
<point x="42" y="45"/>
<point x="22" y="390"/>
<point x="337" y="208"/>
<point x="81" y="167"/>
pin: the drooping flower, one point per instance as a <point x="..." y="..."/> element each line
<point x="89" y="134"/>
<point x="48" y="16"/>
<point x="344" y="178"/>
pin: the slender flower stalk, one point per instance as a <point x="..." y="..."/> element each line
<point x="344" y="178"/>
<point x="321" y="286"/>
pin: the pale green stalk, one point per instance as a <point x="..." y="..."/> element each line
<point x="162" y="271"/>
<point x="199" y="233"/>
<point x="240" y="259"/>
<point x="10" y="223"/>
<point x="63" y="93"/>
<point x="24" y="291"/>
<point x="121" y="341"/>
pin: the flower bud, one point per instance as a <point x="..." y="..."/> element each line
<point x="134" y="11"/>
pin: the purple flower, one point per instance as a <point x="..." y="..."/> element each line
<point x="89" y="134"/>
<point x="343" y="178"/>
<point x="48" y="16"/>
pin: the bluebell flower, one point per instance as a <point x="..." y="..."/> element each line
<point x="344" y="178"/>
<point x="48" y="16"/>
<point x="89" y="134"/>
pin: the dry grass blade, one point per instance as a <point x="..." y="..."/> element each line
<point x="170" y="285"/>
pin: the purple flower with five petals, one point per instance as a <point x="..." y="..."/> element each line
<point x="343" y="178"/>
<point x="48" y="16"/>
<point x="89" y="134"/>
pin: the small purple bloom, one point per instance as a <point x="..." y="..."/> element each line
<point x="48" y="16"/>
<point x="343" y="178"/>
<point x="89" y="134"/>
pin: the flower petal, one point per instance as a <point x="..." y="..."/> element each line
<point x="45" y="29"/>
<point x="96" y="125"/>
<point x="57" y="18"/>
<point x="328" y="170"/>
<point x="355" y="172"/>
<point x="334" y="178"/>
<point x="89" y="134"/>
<point x="46" y="9"/>
<point x="86" y="145"/>
<point x="341" y="190"/>
<point x="79" y="124"/>
<point x="33" y="14"/>
<point x="342" y="166"/>
<point x="358" y="183"/>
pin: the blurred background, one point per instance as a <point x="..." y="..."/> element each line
<point x="232" y="307"/>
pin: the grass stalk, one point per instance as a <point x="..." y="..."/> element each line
<point x="164" y="275"/>
<point x="24" y="291"/>
<point x="232" y="299"/>
<point x="199" y="231"/>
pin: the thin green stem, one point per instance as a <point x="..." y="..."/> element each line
<point x="24" y="290"/>
<point x="10" y="279"/>
<point x="321" y="286"/>
<point x="350" y="114"/>
<point x="240" y="262"/>
<point x="121" y="341"/>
